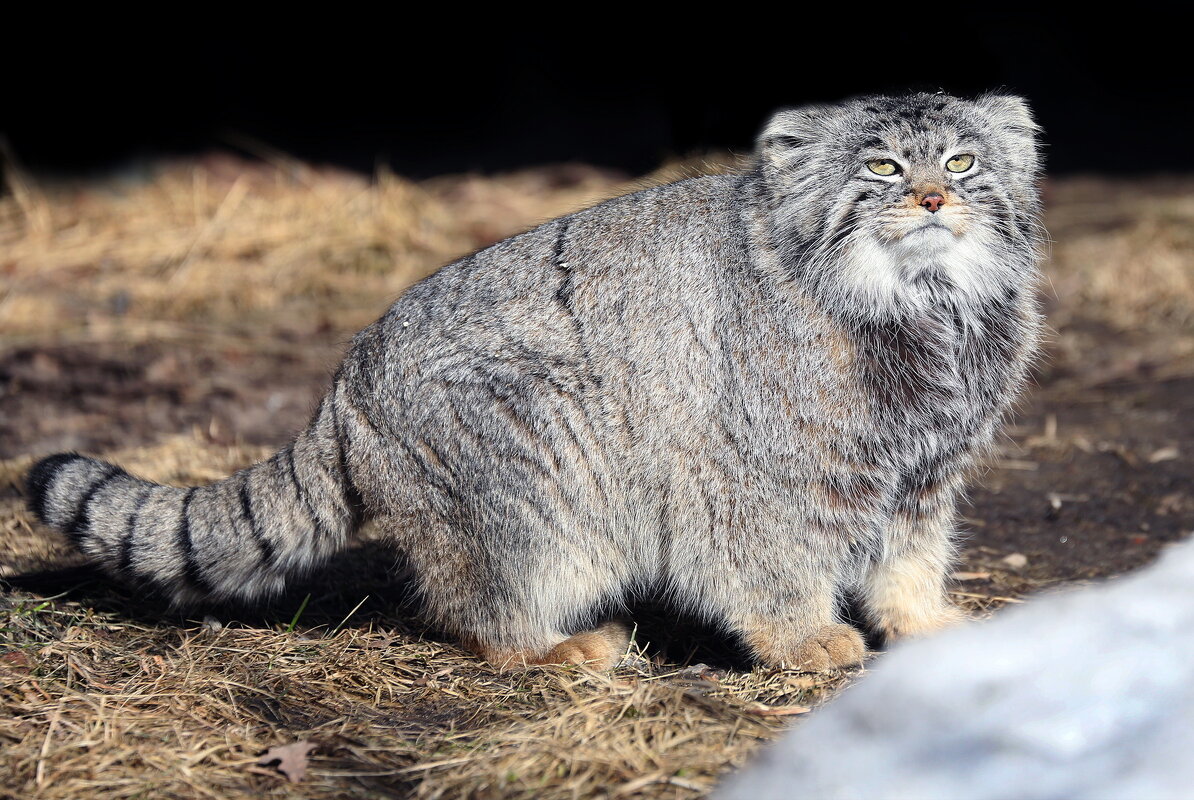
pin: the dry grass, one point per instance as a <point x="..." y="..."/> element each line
<point x="106" y="695"/>
<point x="206" y="244"/>
<point x="199" y="245"/>
<point x="1124" y="252"/>
<point x="97" y="705"/>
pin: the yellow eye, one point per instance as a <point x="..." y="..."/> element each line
<point x="960" y="163"/>
<point x="883" y="166"/>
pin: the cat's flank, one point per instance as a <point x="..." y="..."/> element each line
<point x="756" y="393"/>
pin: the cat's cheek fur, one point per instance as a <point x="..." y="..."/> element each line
<point x="880" y="278"/>
<point x="872" y="280"/>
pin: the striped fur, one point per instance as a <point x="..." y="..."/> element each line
<point x="756" y="392"/>
<point x="239" y="538"/>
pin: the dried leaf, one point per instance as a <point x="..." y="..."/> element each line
<point x="381" y="644"/>
<point x="697" y="672"/>
<point x="16" y="662"/>
<point x="636" y="662"/>
<point x="699" y="678"/>
<point x="291" y="758"/>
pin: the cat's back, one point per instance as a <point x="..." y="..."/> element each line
<point x="573" y="288"/>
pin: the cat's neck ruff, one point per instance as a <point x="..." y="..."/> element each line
<point x="910" y="276"/>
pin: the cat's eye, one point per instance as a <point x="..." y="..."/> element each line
<point x="883" y="166"/>
<point x="960" y="163"/>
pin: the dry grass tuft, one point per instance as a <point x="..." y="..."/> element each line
<point x="226" y="241"/>
<point x="103" y="706"/>
<point x="1124" y="252"/>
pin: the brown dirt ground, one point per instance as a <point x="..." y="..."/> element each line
<point x="183" y="322"/>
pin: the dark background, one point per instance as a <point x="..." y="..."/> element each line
<point x="429" y="96"/>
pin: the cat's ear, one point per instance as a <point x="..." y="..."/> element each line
<point x="791" y="129"/>
<point x="1013" y="125"/>
<point x="1010" y="111"/>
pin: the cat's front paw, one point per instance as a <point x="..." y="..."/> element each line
<point x="830" y="647"/>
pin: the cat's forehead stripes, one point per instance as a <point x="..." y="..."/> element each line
<point x="916" y="109"/>
<point x="915" y="128"/>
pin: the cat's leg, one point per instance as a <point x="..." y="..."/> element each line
<point x="514" y="604"/>
<point x="784" y="604"/>
<point x="499" y="499"/>
<point x="904" y="589"/>
<point x="513" y="595"/>
<point x="517" y="573"/>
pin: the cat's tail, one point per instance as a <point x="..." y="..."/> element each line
<point x="238" y="538"/>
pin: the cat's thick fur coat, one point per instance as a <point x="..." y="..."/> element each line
<point x="757" y="392"/>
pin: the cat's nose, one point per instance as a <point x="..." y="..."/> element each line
<point x="932" y="201"/>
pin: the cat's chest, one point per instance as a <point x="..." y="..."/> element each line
<point x="879" y="395"/>
<point x="904" y="363"/>
<point x="927" y="376"/>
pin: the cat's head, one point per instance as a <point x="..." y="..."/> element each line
<point x="888" y="202"/>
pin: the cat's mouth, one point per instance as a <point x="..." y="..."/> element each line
<point x="932" y="224"/>
<point x="932" y="230"/>
<point x="921" y="229"/>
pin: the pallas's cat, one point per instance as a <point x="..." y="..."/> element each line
<point x="756" y="393"/>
